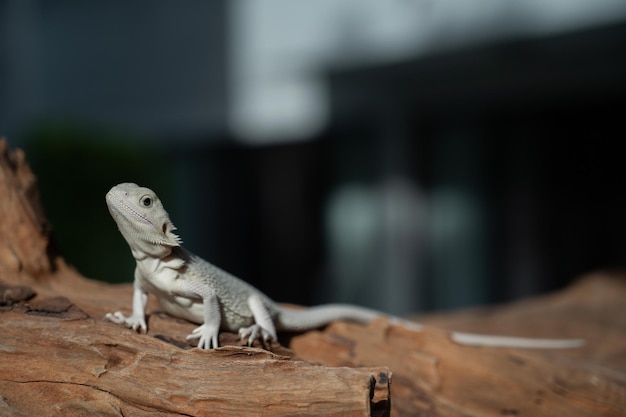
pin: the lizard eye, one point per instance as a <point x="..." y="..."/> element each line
<point x="146" y="201"/>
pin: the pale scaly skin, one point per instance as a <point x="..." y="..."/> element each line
<point x="189" y="287"/>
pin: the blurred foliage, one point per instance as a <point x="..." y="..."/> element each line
<point x="75" y="166"/>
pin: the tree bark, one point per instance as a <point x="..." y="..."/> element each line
<point x="58" y="357"/>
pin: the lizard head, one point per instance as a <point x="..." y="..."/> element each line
<point x="142" y="220"/>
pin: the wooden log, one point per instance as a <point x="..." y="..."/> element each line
<point x="24" y="231"/>
<point x="59" y="362"/>
<point x="434" y="376"/>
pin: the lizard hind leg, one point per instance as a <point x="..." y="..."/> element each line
<point x="263" y="326"/>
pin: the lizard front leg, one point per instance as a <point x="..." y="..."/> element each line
<point x="207" y="333"/>
<point x="137" y="320"/>
<point x="263" y="322"/>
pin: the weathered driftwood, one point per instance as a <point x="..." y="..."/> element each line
<point x="78" y="366"/>
<point x="24" y="233"/>
<point x="58" y="357"/>
<point x="433" y="376"/>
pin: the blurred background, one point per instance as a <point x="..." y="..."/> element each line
<point x="406" y="155"/>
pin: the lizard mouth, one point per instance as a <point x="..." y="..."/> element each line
<point x="117" y="205"/>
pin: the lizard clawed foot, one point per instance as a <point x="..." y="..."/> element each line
<point x="256" y="332"/>
<point x="132" y="322"/>
<point x="208" y="336"/>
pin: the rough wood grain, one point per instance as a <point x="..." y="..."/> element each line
<point x="24" y="230"/>
<point x="433" y="376"/>
<point x="77" y="366"/>
<point x="57" y="356"/>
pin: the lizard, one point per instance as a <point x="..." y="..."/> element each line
<point x="191" y="288"/>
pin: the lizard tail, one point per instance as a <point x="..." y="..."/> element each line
<point x="311" y="318"/>
<point x="472" y="339"/>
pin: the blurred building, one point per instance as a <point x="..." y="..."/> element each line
<point x="404" y="155"/>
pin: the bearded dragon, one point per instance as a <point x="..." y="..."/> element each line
<point x="191" y="288"/>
